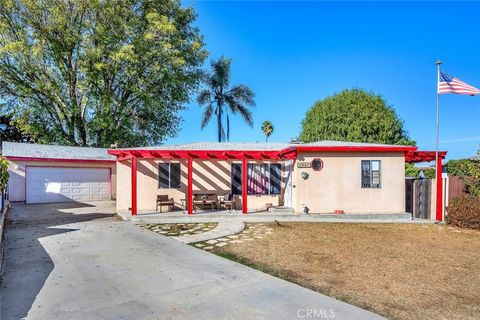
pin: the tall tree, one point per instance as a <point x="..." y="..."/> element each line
<point x="9" y="130"/>
<point x="267" y="129"/>
<point x="354" y="115"/>
<point x="94" y="72"/>
<point x="218" y="98"/>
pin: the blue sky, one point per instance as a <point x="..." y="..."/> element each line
<point x="295" y="53"/>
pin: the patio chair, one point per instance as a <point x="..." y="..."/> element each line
<point x="164" y="200"/>
<point x="228" y="202"/>
<point x="205" y="200"/>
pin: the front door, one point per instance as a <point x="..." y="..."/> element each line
<point x="288" y="201"/>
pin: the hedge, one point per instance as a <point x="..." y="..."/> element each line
<point x="464" y="212"/>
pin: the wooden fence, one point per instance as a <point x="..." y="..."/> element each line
<point x="420" y="195"/>
<point x="456" y="188"/>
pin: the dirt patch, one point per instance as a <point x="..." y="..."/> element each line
<point x="401" y="271"/>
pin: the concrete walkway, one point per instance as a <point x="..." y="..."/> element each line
<point x="73" y="261"/>
<point x="223" y="229"/>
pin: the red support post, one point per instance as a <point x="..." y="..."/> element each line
<point x="189" y="186"/>
<point x="134" y="186"/>
<point x="439" y="205"/>
<point x="244" y="185"/>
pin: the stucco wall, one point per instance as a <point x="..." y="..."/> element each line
<point x="338" y="185"/>
<point x="208" y="177"/>
<point x="16" y="182"/>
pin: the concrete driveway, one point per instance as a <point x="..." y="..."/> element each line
<point x="76" y="261"/>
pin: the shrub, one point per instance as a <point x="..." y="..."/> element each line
<point x="3" y="173"/>
<point x="468" y="171"/>
<point x="464" y="212"/>
<point x="412" y="171"/>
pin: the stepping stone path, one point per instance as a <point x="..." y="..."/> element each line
<point x="251" y="232"/>
<point x="222" y="230"/>
<point x="179" y="229"/>
<point x="218" y="237"/>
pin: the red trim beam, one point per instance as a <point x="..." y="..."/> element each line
<point x="439" y="197"/>
<point x="423" y="156"/>
<point x="134" y="186"/>
<point x="374" y="148"/>
<point x="190" y="186"/>
<point x="196" y="154"/>
<point x="285" y="154"/>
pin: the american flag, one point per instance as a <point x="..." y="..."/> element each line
<point x="449" y="84"/>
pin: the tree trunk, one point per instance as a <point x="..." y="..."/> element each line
<point x="219" y="122"/>
<point x="83" y="133"/>
<point x="82" y="130"/>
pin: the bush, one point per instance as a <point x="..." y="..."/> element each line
<point x="3" y="173"/>
<point x="412" y="171"/>
<point x="468" y="171"/>
<point x="464" y="212"/>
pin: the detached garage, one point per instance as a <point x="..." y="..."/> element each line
<point x="50" y="173"/>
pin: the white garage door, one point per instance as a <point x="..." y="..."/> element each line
<point x="50" y="184"/>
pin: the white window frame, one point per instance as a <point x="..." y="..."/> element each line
<point x="371" y="184"/>
<point x="170" y="175"/>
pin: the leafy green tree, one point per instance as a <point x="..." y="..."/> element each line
<point x="469" y="173"/>
<point x="94" y="72"/>
<point x="219" y="98"/>
<point x="267" y="129"/>
<point x="9" y="130"/>
<point x="354" y="115"/>
<point x="3" y="173"/>
<point x="412" y="171"/>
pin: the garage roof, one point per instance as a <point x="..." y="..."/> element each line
<point x="31" y="151"/>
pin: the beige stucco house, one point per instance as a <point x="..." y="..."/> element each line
<point x="321" y="177"/>
<point x="324" y="176"/>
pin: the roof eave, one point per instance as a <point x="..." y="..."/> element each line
<point x="17" y="158"/>
<point x="350" y="149"/>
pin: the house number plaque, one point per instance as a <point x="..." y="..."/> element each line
<point x="315" y="164"/>
<point x="304" y="164"/>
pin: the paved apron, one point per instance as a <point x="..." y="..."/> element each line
<point x="71" y="261"/>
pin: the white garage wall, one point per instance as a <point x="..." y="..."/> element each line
<point x="16" y="183"/>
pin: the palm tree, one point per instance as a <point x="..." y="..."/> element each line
<point x="267" y="128"/>
<point x="219" y="98"/>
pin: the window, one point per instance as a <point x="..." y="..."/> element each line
<point x="370" y="173"/>
<point x="236" y="178"/>
<point x="258" y="179"/>
<point x="169" y="175"/>
<point x="262" y="178"/>
<point x="275" y="178"/>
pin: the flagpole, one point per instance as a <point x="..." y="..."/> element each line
<point x="438" y="63"/>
